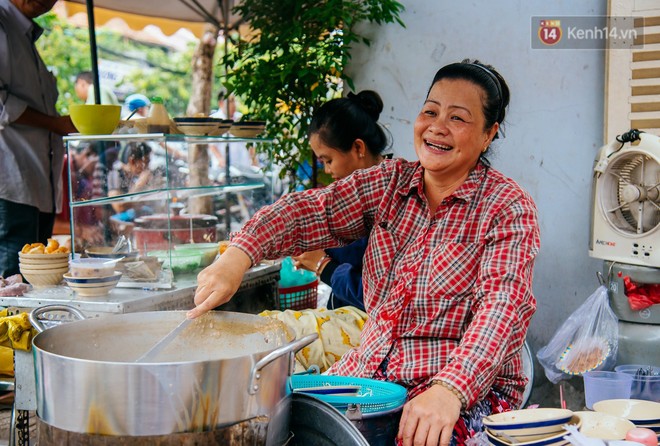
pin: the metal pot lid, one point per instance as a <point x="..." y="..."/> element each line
<point x="185" y="221"/>
<point x="316" y="422"/>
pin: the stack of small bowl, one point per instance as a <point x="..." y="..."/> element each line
<point x="530" y="427"/>
<point x="92" y="277"/>
<point x="43" y="270"/>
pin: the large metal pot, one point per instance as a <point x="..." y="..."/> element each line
<point x="223" y="368"/>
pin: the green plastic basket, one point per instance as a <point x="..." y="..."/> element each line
<point x="374" y="396"/>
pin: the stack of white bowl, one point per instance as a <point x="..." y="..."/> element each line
<point x="92" y="277"/>
<point x="641" y="413"/>
<point x="43" y="270"/>
<point x="530" y="427"/>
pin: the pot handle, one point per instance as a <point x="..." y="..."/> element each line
<point x="35" y="313"/>
<point x="293" y="347"/>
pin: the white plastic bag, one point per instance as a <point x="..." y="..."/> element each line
<point x="588" y="340"/>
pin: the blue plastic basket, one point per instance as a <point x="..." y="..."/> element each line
<point x="374" y="396"/>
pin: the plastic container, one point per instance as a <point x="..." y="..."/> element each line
<point x="645" y="385"/>
<point x="92" y="267"/>
<point x="158" y="120"/>
<point x="602" y="385"/>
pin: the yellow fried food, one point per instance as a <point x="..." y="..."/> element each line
<point x="38" y="250"/>
<point x="61" y="250"/>
<point x="26" y="248"/>
<point x="52" y="245"/>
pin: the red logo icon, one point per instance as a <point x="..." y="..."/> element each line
<point x="549" y="32"/>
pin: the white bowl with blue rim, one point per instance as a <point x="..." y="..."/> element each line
<point x="604" y="426"/>
<point x="529" y="423"/>
<point x="553" y="439"/>
<point x="641" y="412"/>
<point x="92" y="286"/>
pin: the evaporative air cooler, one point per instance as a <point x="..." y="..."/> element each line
<point x="625" y="233"/>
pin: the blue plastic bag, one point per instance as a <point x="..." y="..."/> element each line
<point x="291" y="276"/>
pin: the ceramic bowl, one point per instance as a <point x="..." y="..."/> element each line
<point x="92" y="286"/>
<point x="604" y="426"/>
<point x="247" y="129"/>
<point x="223" y="128"/>
<point x="106" y="252"/>
<point x="43" y="266"/>
<point x="43" y="278"/>
<point x="43" y="258"/>
<point x="197" y="126"/>
<point x="640" y="412"/>
<point x="94" y="119"/>
<point x="92" y="267"/>
<point x="520" y="423"/>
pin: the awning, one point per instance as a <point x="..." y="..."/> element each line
<point x="167" y="14"/>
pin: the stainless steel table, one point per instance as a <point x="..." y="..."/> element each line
<point x="262" y="278"/>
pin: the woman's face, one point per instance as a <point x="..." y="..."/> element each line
<point x="336" y="163"/>
<point x="449" y="131"/>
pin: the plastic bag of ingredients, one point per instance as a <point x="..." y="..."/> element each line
<point x="587" y="340"/>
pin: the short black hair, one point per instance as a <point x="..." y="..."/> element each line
<point x="86" y="76"/>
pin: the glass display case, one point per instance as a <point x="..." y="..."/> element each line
<point x="162" y="203"/>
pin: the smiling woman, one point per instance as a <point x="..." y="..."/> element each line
<point x="448" y="266"/>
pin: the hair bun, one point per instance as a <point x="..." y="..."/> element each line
<point x="370" y="102"/>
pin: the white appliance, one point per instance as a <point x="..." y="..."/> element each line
<point x="625" y="224"/>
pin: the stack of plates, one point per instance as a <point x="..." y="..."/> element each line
<point x="529" y="427"/>
<point x="92" y="286"/>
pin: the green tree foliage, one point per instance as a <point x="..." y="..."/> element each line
<point x="159" y="71"/>
<point x="296" y="61"/>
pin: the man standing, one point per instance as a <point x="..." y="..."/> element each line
<point x="31" y="148"/>
<point x="85" y="90"/>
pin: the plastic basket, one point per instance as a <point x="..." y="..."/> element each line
<point x="373" y="397"/>
<point x="299" y="297"/>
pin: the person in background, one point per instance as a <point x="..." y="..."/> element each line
<point x="448" y="269"/>
<point x="130" y="173"/>
<point x="226" y="100"/>
<point x="31" y="148"/>
<point x="345" y="136"/>
<point x="84" y="88"/>
<point x="82" y="165"/>
<point x="137" y="106"/>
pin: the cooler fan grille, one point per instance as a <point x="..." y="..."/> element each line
<point x="629" y="193"/>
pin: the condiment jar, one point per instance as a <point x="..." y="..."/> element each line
<point x="158" y="120"/>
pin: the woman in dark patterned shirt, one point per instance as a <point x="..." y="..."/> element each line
<point x="448" y="269"/>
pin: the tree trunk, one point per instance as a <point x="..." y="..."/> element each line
<point x="200" y="103"/>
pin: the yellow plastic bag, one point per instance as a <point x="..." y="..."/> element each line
<point x="16" y="331"/>
<point x="339" y="331"/>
